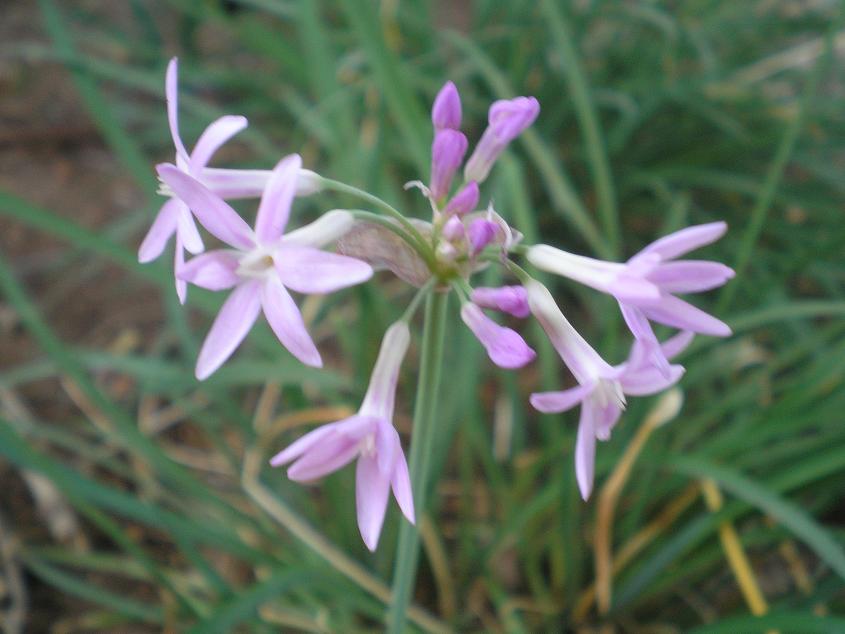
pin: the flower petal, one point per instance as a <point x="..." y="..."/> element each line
<point x="286" y="321"/>
<point x="178" y="264"/>
<point x="646" y="347"/>
<point x="187" y="228"/>
<point x="685" y="240"/>
<point x="400" y="482"/>
<point x="235" y="183"/>
<point x="274" y="210"/>
<point x="674" y="346"/>
<point x="307" y="270"/>
<point x="215" y="135"/>
<point x="677" y="313"/>
<point x="231" y="325"/>
<point x="690" y="276"/>
<point x="505" y="347"/>
<point x="171" y="91"/>
<point x="160" y="231"/>
<point x="387" y="440"/>
<point x="647" y="381"/>
<point x="214" y="214"/>
<point x="215" y="270"/>
<point x="333" y="453"/>
<point x="332" y="225"/>
<point x="605" y="420"/>
<point x="303" y="444"/>
<point x="371" y="490"/>
<point x="556" y="402"/>
<point x="585" y="450"/>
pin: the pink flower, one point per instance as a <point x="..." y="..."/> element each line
<point x="646" y="284"/>
<point x="446" y="111"/>
<point x="447" y="154"/>
<point x="505" y="347"/>
<point x="262" y="264"/>
<point x="174" y="217"/>
<point x="368" y="436"/>
<point x="601" y="387"/>
<point x="507" y="299"/>
<point x="507" y="119"/>
<point x="464" y="201"/>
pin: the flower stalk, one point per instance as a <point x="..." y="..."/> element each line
<point x="419" y="463"/>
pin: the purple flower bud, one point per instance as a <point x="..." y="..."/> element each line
<point x="481" y="233"/>
<point x="506" y="120"/>
<point x="464" y="201"/>
<point x="507" y="299"/>
<point x="453" y="230"/>
<point x="447" y="153"/>
<point x="505" y="347"/>
<point x="446" y="111"/>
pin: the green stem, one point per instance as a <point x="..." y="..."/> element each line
<point x="422" y="440"/>
<point x="422" y="245"/>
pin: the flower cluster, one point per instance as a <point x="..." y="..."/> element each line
<point x="261" y="265"/>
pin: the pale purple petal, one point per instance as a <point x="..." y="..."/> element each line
<point x="556" y="402"/>
<point x="674" y="346"/>
<point x="447" y="153"/>
<point x="677" y="313"/>
<point x="465" y="201"/>
<point x="286" y="321"/>
<point x="585" y="451"/>
<point x="274" y="210"/>
<point x="230" y="327"/>
<point x="215" y="270"/>
<point x="505" y="347"/>
<point x="446" y="111"/>
<point x="381" y="392"/>
<point x="188" y="232"/>
<point x="371" y="491"/>
<point x="647" y="346"/>
<point x="178" y="265"/>
<point x="680" y="242"/>
<point x="387" y="441"/>
<point x="308" y="270"/>
<point x="481" y="232"/>
<point x="215" y="215"/>
<point x="303" y="445"/>
<point x="605" y="420"/>
<point x="171" y="91"/>
<point x="333" y="453"/>
<point x="633" y="289"/>
<point x="507" y="299"/>
<point x="507" y="118"/>
<point x="453" y="229"/>
<point x="690" y="276"/>
<point x="235" y="183"/>
<point x="162" y="228"/>
<point x="400" y="482"/>
<point x="647" y="381"/>
<point x="213" y="137"/>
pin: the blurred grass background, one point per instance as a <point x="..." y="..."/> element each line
<point x="138" y="500"/>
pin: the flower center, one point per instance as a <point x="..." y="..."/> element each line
<point x="256" y="264"/>
<point x="368" y="445"/>
<point x="608" y="391"/>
